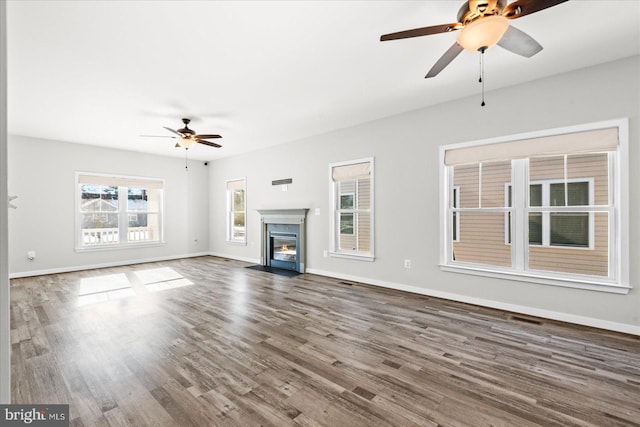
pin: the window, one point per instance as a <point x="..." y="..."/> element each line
<point x="117" y="211"/>
<point x="548" y="207"/>
<point x="352" y="206"/>
<point x="236" y="211"/>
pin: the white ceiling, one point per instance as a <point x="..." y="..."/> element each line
<point x="264" y="72"/>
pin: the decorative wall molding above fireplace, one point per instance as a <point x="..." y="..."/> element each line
<point x="283" y="234"/>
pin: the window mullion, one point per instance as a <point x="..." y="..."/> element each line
<point x="123" y="222"/>
<point x="546" y="215"/>
<point x="519" y="236"/>
<point x="479" y="185"/>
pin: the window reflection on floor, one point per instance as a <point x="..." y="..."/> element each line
<point x="112" y="287"/>
<point x="104" y="288"/>
<point x="161" y="279"/>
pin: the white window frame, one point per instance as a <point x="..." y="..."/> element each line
<point x="546" y="215"/>
<point x="618" y="279"/>
<point x="230" y="212"/>
<point x="123" y="215"/>
<point x="334" y="225"/>
<point x="456" y="203"/>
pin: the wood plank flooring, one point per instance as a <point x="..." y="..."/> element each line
<point x="207" y="342"/>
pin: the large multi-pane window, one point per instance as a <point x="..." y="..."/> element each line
<point x="549" y="208"/>
<point x="117" y="211"/>
<point x="352" y="206"/>
<point x="236" y="211"/>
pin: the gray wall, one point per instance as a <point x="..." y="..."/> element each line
<point x="405" y="148"/>
<point x="42" y="175"/>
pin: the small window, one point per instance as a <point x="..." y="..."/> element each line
<point x="116" y="211"/>
<point x="352" y="224"/>
<point x="236" y="211"/>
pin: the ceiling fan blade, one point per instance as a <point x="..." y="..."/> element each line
<point x="444" y="60"/>
<point x="209" y="143"/>
<point x="417" y="32"/>
<point x="208" y="136"/>
<point x="519" y="42"/>
<point x="173" y="131"/>
<point x="177" y="145"/>
<point x="525" y="7"/>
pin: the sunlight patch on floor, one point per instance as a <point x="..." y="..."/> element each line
<point x="156" y="275"/>
<point x="94" y="290"/>
<point x="99" y="284"/>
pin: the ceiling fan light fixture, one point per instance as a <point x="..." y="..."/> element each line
<point x="484" y="32"/>
<point x="186" y="143"/>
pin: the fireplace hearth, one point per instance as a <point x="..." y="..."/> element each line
<point x="283" y="238"/>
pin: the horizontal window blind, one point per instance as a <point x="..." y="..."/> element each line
<point x="351" y="172"/>
<point x="569" y="143"/>
<point x="120" y="181"/>
<point x="235" y="185"/>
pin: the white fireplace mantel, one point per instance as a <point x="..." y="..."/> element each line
<point x="287" y="218"/>
<point x="283" y="216"/>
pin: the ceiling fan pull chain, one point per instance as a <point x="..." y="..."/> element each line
<point x="186" y="160"/>
<point x="481" y="80"/>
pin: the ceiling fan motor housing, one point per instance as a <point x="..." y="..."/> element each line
<point x="474" y="9"/>
<point x="185" y="130"/>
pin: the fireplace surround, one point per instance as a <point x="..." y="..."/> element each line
<point x="283" y="238"/>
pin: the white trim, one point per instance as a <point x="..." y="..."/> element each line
<point x="116" y="247"/>
<point x="70" y="269"/>
<point x="355" y="256"/>
<point x="539" y="277"/>
<point x="622" y="203"/>
<point x="455" y="192"/>
<point x="531" y="311"/>
<point x="621" y="124"/>
<point x="235" y="257"/>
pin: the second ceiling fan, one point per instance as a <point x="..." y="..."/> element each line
<point x="188" y="137"/>
<point x="482" y="24"/>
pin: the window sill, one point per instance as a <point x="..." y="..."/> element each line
<point x="119" y="247"/>
<point x="591" y="285"/>
<point x="236" y="242"/>
<point x="354" y="256"/>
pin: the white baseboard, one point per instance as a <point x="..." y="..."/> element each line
<point x="102" y="265"/>
<point x="237" y="258"/>
<point x="532" y="311"/>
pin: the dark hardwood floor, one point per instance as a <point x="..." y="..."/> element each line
<point x="207" y="342"/>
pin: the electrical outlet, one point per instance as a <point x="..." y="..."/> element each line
<point x="31" y="255"/>
<point x="407" y="263"/>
